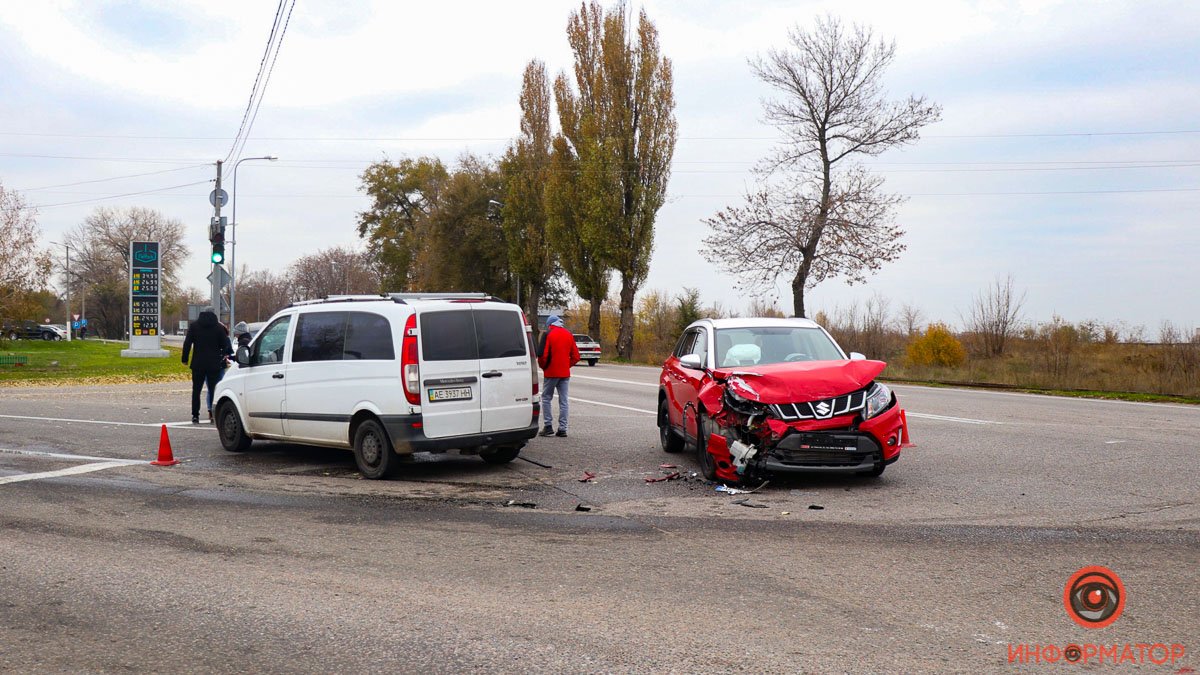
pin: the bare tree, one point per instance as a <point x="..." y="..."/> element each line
<point x="817" y="214"/>
<point x="24" y="268"/>
<point x="995" y="316"/>
<point x="911" y="319"/>
<point x="333" y="271"/>
<point x="261" y="293"/>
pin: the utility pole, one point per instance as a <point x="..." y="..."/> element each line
<point x="215" y="297"/>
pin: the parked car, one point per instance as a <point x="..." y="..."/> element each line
<point x="30" y="330"/>
<point x="589" y="349"/>
<point x="387" y="376"/>
<point x="53" y="331"/>
<point x="755" y="397"/>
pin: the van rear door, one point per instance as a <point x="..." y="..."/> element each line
<point x="505" y="376"/>
<point x="450" y="388"/>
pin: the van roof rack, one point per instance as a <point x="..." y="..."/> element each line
<point x="403" y="297"/>
<point x="339" y="298"/>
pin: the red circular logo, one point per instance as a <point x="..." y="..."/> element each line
<point x="1094" y="597"/>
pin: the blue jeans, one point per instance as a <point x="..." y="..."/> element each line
<point x="549" y="386"/>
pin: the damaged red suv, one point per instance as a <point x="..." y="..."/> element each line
<point x="756" y="397"/>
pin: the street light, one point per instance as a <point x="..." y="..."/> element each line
<point x="67" y="283"/>
<point x="233" y="239"/>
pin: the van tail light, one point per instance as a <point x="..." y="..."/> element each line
<point x="532" y="353"/>
<point x="409" y="360"/>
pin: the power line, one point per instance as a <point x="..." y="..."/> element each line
<point x="127" y="194"/>
<point x="104" y="180"/>
<point x="270" y="70"/>
<point x="262" y="65"/>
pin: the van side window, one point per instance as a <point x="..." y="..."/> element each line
<point x="368" y="337"/>
<point x="268" y="348"/>
<point x="320" y="336"/>
<point x="448" y="336"/>
<point x="501" y="334"/>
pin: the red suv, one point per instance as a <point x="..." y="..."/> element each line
<point x="760" y="396"/>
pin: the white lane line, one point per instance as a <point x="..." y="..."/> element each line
<point x="609" y="379"/>
<point x="174" y="425"/>
<point x="613" y="405"/>
<point x="945" y="418"/>
<point x="86" y="468"/>
<point x="62" y="455"/>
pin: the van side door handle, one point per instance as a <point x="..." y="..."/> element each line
<point x="278" y="376"/>
<point x="493" y="373"/>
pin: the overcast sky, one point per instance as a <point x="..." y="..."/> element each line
<point x="1068" y="154"/>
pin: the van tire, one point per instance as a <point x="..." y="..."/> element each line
<point x="500" y="455"/>
<point x="373" y="452"/>
<point x="229" y="428"/>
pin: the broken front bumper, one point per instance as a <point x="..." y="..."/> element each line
<point x="823" y="451"/>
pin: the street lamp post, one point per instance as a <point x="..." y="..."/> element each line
<point x="233" y="239"/>
<point x="67" y="247"/>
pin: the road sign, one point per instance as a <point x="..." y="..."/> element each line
<point x="218" y="195"/>
<point x="222" y="276"/>
<point x="75" y="316"/>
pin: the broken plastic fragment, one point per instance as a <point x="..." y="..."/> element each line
<point x="587" y="477"/>
<point x="660" y="479"/>
<point x="667" y="466"/>
<point x="524" y="505"/>
<point x="745" y="501"/>
<point x="582" y="507"/>
<point x="732" y="490"/>
<point x="741" y="454"/>
<point x="815" y="507"/>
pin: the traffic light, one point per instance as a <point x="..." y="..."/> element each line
<point x="216" y="235"/>
<point x="218" y="249"/>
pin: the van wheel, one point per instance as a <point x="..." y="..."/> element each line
<point x="500" y="455"/>
<point x="229" y="428"/>
<point x="373" y="451"/>
<point x="670" y="441"/>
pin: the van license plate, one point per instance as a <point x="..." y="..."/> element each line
<point x="450" y="394"/>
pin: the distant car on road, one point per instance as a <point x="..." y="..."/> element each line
<point x="589" y="349"/>
<point x="59" y="331"/>
<point x="30" y="330"/>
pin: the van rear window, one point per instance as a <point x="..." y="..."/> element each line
<point x="501" y="334"/>
<point x="448" y="336"/>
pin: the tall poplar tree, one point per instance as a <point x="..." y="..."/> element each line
<point x="619" y="131"/>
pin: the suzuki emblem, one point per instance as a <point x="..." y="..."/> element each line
<point x="823" y="409"/>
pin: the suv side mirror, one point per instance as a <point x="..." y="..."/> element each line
<point x="691" y="361"/>
<point x="855" y="356"/>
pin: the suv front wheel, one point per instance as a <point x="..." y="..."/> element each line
<point x="373" y="451"/>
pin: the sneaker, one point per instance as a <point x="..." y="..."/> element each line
<point x="562" y="433"/>
<point x="547" y="431"/>
<point x="210" y="417"/>
<point x="195" y="419"/>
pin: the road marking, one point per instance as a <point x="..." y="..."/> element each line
<point x="613" y="405"/>
<point x="86" y="468"/>
<point x="946" y="418"/>
<point x="609" y="379"/>
<point x="174" y="425"/>
<point x="62" y="455"/>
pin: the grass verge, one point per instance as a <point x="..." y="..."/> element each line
<point x="85" y="362"/>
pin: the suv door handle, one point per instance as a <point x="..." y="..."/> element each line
<point x="493" y="373"/>
<point x="278" y="376"/>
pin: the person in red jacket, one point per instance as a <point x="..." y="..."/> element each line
<point x="556" y="354"/>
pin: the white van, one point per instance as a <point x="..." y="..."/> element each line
<point x="387" y="376"/>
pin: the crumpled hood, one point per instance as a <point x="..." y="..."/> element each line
<point x="799" y="381"/>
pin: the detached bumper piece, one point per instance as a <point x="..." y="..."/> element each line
<point x="831" y="452"/>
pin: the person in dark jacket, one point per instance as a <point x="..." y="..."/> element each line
<point x="208" y="344"/>
<point x="557" y="353"/>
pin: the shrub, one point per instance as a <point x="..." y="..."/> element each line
<point x="937" y="347"/>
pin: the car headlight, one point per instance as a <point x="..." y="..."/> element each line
<point x="878" y="400"/>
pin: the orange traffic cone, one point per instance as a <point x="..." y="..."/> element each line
<point x="165" y="458"/>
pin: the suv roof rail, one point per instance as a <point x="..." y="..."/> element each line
<point x="338" y="298"/>
<point x="401" y="297"/>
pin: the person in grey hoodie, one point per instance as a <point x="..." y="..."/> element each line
<point x="208" y="344"/>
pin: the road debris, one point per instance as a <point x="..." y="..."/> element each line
<point x="587" y="477"/>
<point x="785" y="513"/>
<point x="731" y="490"/>
<point x="534" y="461"/>
<point x="524" y="505"/>
<point x="659" y="479"/>
<point x="582" y="507"/>
<point x="668" y="466"/>
<point x="815" y="507"/>
<point x="745" y="501"/>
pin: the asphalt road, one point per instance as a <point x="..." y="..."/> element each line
<point x="282" y="559"/>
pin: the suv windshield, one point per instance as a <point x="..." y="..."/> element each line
<point x="760" y="345"/>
